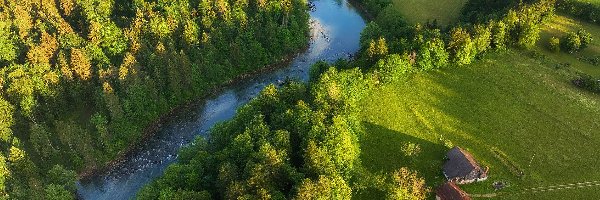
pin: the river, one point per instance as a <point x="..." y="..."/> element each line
<point x="335" y="33"/>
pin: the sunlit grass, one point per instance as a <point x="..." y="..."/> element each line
<point x="522" y="107"/>
<point x="420" y="11"/>
<point x="560" y="26"/>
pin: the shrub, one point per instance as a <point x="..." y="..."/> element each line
<point x="440" y="56"/>
<point x="554" y="44"/>
<point x="571" y="42"/>
<point x="499" y="35"/>
<point x="461" y="46"/>
<point x="482" y="38"/>
<point x="392" y="67"/>
<point x="587" y="82"/>
<point x="406" y="184"/>
<point x="581" y="9"/>
<point x="528" y="34"/>
<point x="377" y="49"/>
<point x="585" y="38"/>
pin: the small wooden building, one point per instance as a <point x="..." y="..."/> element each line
<point x="450" y="191"/>
<point x="461" y="167"/>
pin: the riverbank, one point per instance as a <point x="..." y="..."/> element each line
<point x="362" y="10"/>
<point x="151" y="130"/>
<point x="335" y="30"/>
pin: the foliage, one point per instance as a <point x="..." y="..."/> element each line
<point x="499" y="34"/>
<point x="6" y="119"/>
<point x="392" y="68"/>
<point x="377" y="49"/>
<point x="575" y="41"/>
<point x="55" y="192"/>
<point x="585" y="37"/>
<point x="461" y="46"/>
<point x="8" y="49"/>
<point x="554" y="44"/>
<point x="432" y="55"/>
<point x="585" y="10"/>
<point x="588" y="82"/>
<point x="482" y="38"/>
<point x="279" y="145"/>
<point x="324" y="188"/>
<point x="509" y="23"/>
<point x="405" y="184"/>
<point x="571" y="42"/>
<point x="80" y="80"/>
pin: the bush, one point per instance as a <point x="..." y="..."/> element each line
<point x="499" y="35"/>
<point x="461" y="46"/>
<point x="585" y="38"/>
<point x="587" y="82"/>
<point x="554" y="44"/>
<point x="571" y="42"/>
<point x="392" y="67"/>
<point x="406" y="184"/>
<point x="482" y="38"/>
<point x="583" y="10"/>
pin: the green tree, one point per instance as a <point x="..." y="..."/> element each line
<point x="528" y="34"/>
<point x="4" y="175"/>
<point x="8" y="49"/>
<point x="57" y="192"/>
<point x="324" y="187"/>
<point x="377" y="49"/>
<point x="62" y="177"/>
<point x="554" y="44"/>
<point x="461" y="46"/>
<point x="482" y="38"/>
<point x="190" y="32"/>
<point x="406" y="184"/>
<point x="40" y="140"/>
<point x="392" y="68"/>
<point x="6" y="119"/>
<point x="101" y="124"/>
<point x="585" y="37"/>
<point x="499" y="34"/>
<point x="571" y="42"/>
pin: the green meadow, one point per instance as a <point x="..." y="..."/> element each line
<point x="558" y="27"/>
<point x="516" y="112"/>
<point x="419" y="11"/>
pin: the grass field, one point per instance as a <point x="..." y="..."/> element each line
<point x="560" y="26"/>
<point x="420" y="11"/>
<point x="514" y="112"/>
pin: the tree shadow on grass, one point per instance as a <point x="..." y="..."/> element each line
<point x="385" y="150"/>
<point x="511" y="105"/>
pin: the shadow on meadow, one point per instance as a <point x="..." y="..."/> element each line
<point x="385" y="150"/>
<point x="523" y="120"/>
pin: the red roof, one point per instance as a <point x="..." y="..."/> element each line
<point x="450" y="191"/>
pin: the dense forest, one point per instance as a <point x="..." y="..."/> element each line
<point x="81" y="79"/>
<point x="300" y="141"/>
